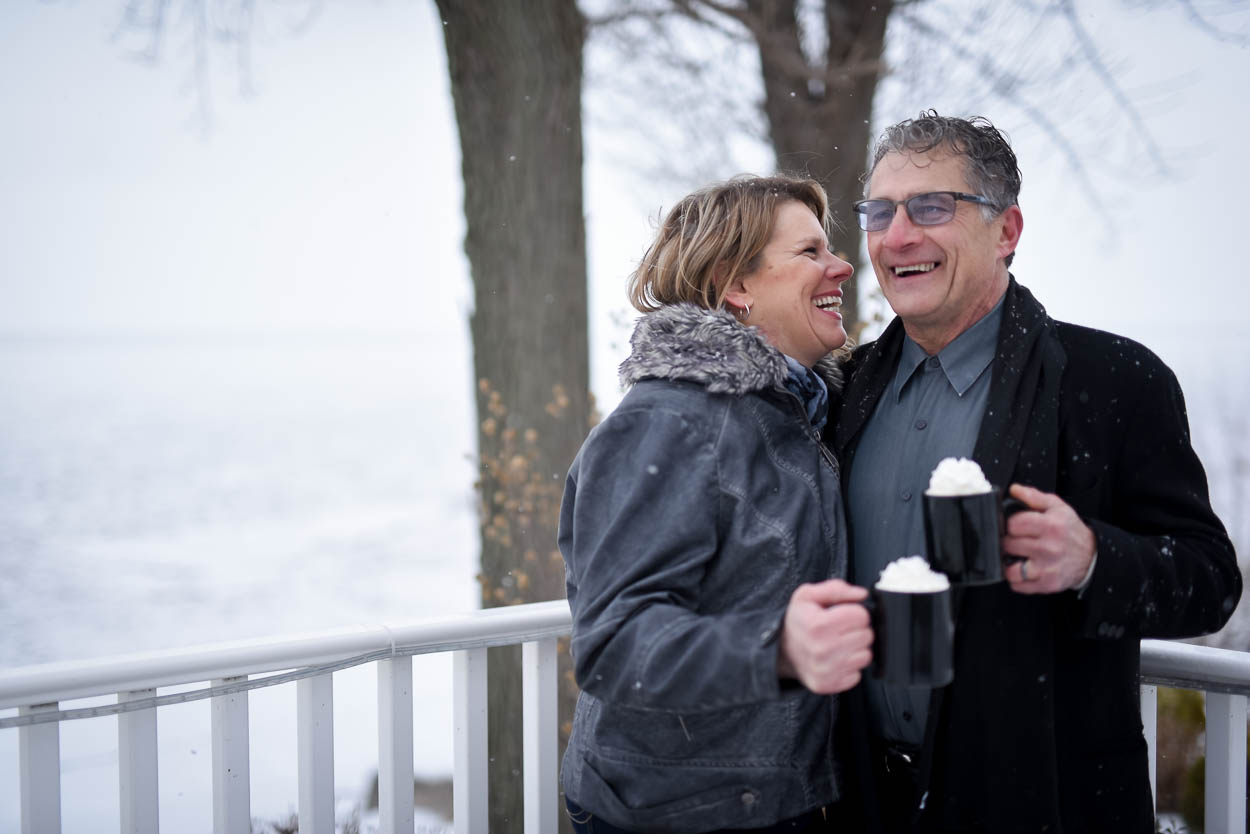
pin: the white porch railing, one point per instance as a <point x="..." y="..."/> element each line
<point x="38" y="692"/>
<point x="1224" y="677"/>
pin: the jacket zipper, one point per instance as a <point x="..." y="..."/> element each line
<point x="812" y="433"/>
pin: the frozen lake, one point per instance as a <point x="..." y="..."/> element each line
<point x="158" y="493"/>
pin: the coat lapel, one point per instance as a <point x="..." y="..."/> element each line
<point x="1022" y="412"/>
<point x="870" y="370"/>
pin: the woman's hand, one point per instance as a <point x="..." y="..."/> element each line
<point x="825" y="636"/>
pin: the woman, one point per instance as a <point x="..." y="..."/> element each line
<point x="700" y="527"/>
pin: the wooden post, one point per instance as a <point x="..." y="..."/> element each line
<point x="39" y="759"/>
<point x="470" y="788"/>
<point x="232" y="789"/>
<point x="395" y="799"/>
<point x="1226" y="764"/>
<point x="136" y="766"/>
<point x="539" y="683"/>
<point x="314" y="699"/>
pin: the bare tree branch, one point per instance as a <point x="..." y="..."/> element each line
<point x="1210" y="29"/>
<point x="693" y="12"/>
<point x="153" y="24"/>
<point x="231" y="23"/>
<point x="1006" y="84"/>
<point x="1092" y="56"/>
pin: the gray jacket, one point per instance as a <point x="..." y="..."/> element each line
<point x="690" y="515"/>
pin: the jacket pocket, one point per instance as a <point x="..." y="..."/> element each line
<point x="668" y="799"/>
<point x="749" y="736"/>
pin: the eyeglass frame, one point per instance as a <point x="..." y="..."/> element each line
<point x="906" y="204"/>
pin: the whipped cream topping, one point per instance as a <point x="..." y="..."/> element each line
<point x="911" y="575"/>
<point x="958" y="476"/>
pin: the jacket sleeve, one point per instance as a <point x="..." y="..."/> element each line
<point x="1166" y="567"/>
<point x="638" y="528"/>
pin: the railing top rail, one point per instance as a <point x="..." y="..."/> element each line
<point x="65" y="680"/>
<point x="1162" y="661"/>
<point x="1189" y="666"/>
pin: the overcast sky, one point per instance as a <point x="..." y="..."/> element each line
<point x="328" y="197"/>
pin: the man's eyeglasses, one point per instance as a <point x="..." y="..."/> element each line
<point x="932" y="209"/>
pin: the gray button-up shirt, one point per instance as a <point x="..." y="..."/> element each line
<point x="931" y="410"/>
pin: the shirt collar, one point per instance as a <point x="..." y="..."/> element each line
<point x="962" y="361"/>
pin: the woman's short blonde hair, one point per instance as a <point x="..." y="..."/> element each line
<point x="715" y="235"/>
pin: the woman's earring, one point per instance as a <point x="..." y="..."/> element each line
<point x="746" y="311"/>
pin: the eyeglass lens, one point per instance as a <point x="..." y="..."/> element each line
<point x="923" y="209"/>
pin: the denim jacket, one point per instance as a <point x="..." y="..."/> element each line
<point x="690" y="516"/>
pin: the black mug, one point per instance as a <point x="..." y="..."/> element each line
<point x="913" y="637"/>
<point x="963" y="535"/>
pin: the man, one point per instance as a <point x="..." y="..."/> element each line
<point x="1040" y="730"/>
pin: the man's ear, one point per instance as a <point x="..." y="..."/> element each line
<point x="1009" y="233"/>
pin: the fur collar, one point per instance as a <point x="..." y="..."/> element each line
<point x="687" y="342"/>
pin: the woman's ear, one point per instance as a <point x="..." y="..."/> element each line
<point x="736" y="295"/>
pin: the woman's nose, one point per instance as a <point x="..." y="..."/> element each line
<point x="839" y="269"/>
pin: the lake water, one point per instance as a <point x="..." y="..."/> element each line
<point x="158" y="493"/>
<point x="168" y="492"/>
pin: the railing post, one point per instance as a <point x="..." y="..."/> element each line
<point x="39" y="756"/>
<point x="470" y="784"/>
<point x="314" y="698"/>
<point x="395" y="773"/>
<point x="136" y="766"/>
<point x="232" y="790"/>
<point x="1226" y="764"/>
<point x="539" y="683"/>
<point x="1150" y="727"/>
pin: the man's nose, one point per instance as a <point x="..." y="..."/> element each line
<point x="901" y="231"/>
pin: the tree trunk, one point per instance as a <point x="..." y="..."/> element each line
<point x="819" y="117"/>
<point x="516" y="73"/>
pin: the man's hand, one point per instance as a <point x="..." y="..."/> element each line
<point x="1056" y="545"/>
<point x="825" y="636"/>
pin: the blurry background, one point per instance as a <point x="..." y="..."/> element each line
<point x="237" y="381"/>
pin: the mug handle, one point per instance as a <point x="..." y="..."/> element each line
<point x="1011" y="506"/>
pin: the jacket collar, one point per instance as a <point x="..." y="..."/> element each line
<point x="712" y="348"/>
<point x="1028" y="362"/>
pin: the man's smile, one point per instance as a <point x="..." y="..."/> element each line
<point x="910" y="269"/>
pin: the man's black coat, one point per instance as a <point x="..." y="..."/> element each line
<point x="1041" y="729"/>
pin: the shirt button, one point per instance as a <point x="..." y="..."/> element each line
<point x="922" y="424"/>
<point x="933" y="362"/>
<point x="905" y="495"/>
<point x="748" y="799"/>
<point x="906" y="715"/>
